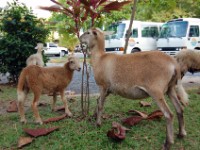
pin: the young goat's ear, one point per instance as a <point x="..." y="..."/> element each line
<point x="94" y="32"/>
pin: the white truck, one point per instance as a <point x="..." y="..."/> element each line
<point x="54" y="49"/>
<point x="143" y="36"/>
<point x="178" y="34"/>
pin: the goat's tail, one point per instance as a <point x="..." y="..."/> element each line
<point x="22" y="88"/>
<point x="181" y="93"/>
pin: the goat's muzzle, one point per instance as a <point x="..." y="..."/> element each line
<point x="79" y="69"/>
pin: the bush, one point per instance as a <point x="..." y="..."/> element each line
<point x="20" y="32"/>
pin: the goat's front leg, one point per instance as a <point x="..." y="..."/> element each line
<point x="54" y="101"/>
<point x="100" y="104"/>
<point x="65" y="104"/>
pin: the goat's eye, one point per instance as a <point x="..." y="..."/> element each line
<point x="88" y="32"/>
<point x="71" y="62"/>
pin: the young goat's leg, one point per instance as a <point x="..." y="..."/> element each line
<point x="21" y="99"/>
<point x="100" y="104"/>
<point x="65" y="103"/>
<point x="35" y="109"/>
<point x="54" y="101"/>
<point x="159" y="98"/>
<point x="179" y="111"/>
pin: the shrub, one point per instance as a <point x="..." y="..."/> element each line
<point x="20" y="32"/>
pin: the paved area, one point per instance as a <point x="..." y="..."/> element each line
<point x="189" y="81"/>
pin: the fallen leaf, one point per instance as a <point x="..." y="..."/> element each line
<point x="24" y="141"/>
<point x="155" y="115"/>
<point x="61" y="108"/>
<point x="118" y="132"/>
<point x="12" y="107"/>
<point x="131" y="121"/>
<point x="136" y="112"/>
<point x="55" y="119"/>
<point x="145" y="104"/>
<point x="40" y="131"/>
<point x="42" y="104"/>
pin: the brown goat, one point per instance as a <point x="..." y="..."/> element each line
<point x="137" y="76"/>
<point x="36" y="59"/>
<point x="189" y="60"/>
<point x="45" y="80"/>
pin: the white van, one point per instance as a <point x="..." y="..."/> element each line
<point x="179" y="34"/>
<point x="143" y="36"/>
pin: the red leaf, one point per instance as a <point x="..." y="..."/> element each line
<point x="142" y="114"/>
<point x="55" y="119"/>
<point x="115" y="5"/>
<point x="131" y="121"/>
<point x="54" y="8"/>
<point x="40" y="131"/>
<point x="145" y="104"/>
<point x="118" y="132"/>
<point x="24" y="141"/>
<point x="12" y="107"/>
<point x="155" y="115"/>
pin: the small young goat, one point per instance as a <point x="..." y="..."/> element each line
<point x="45" y="80"/>
<point x="189" y="60"/>
<point x="36" y="59"/>
<point x="137" y="76"/>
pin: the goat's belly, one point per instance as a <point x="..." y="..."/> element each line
<point x="131" y="93"/>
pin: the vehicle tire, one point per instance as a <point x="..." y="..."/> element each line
<point x="62" y="53"/>
<point x="135" y="50"/>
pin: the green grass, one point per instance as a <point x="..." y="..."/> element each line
<point x="78" y="134"/>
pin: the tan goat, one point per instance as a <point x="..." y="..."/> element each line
<point x="36" y="59"/>
<point x="45" y="80"/>
<point x="137" y="76"/>
<point x="189" y="60"/>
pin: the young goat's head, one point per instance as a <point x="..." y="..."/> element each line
<point x="39" y="46"/>
<point x="74" y="63"/>
<point x="92" y="37"/>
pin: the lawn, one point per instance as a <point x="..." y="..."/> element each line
<point x="77" y="133"/>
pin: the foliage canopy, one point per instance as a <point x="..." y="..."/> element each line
<point x="20" y="32"/>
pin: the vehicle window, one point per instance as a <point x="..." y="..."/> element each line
<point x="52" y="45"/>
<point x="194" y="31"/>
<point x="174" y="29"/>
<point x="153" y="32"/>
<point x="145" y="32"/>
<point x="118" y="30"/>
<point x="134" y="33"/>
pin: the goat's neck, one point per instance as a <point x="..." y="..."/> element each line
<point x="96" y="53"/>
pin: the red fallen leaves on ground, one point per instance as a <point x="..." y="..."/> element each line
<point x="131" y="121"/>
<point x="61" y="108"/>
<point x="12" y="107"/>
<point x="118" y="132"/>
<point x="24" y="141"/>
<point x="155" y="115"/>
<point x="144" y="104"/>
<point x="54" y="119"/>
<point x="40" y="131"/>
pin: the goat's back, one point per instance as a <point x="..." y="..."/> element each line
<point x="138" y="69"/>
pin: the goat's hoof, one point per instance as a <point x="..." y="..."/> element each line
<point x="181" y="136"/>
<point x="69" y="114"/>
<point x="166" y="146"/>
<point x="98" y="124"/>
<point x="24" y="121"/>
<point x="39" y="122"/>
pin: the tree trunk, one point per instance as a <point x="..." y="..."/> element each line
<point x="128" y="34"/>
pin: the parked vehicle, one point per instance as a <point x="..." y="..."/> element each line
<point x="143" y="36"/>
<point x="178" y="34"/>
<point x="54" y="49"/>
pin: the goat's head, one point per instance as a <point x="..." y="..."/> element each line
<point x="92" y="37"/>
<point x="39" y="46"/>
<point x="74" y="63"/>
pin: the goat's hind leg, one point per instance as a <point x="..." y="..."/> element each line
<point x="35" y="109"/>
<point x="179" y="111"/>
<point x="54" y="101"/>
<point x="21" y="99"/>
<point x="159" y="98"/>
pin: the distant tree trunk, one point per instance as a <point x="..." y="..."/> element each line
<point x="128" y="34"/>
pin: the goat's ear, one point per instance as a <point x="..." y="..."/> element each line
<point x="94" y="32"/>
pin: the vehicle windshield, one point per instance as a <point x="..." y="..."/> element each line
<point x="174" y="29"/>
<point x="117" y="30"/>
